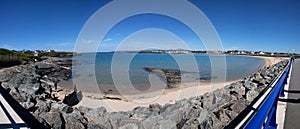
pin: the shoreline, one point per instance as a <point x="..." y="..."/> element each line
<point x="167" y="96"/>
<point x="269" y="60"/>
<point x="164" y="107"/>
<point x="112" y="102"/>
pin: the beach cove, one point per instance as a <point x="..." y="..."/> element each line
<point x="29" y="86"/>
<point x="112" y="102"/>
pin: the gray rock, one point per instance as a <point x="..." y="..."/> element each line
<point x="176" y="115"/>
<point x="155" y="106"/>
<point x="27" y="105"/>
<point x="209" y="101"/>
<point x="93" y="125"/>
<point x="41" y="65"/>
<point x="14" y="92"/>
<point x="101" y="110"/>
<point x="130" y="126"/>
<point x="42" y="106"/>
<point x="159" y="122"/>
<point x="197" y="104"/>
<point x="67" y="109"/>
<point x="74" y="120"/>
<point x="101" y="122"/>
<point x="73" y="98"/>
<point x="42" y="121"/>
<point x="98" y="116"/>
<point x="223" y="117"/>
<point x="140" y="113"/>
<point x="204" y="120"/>
<point x="123" y="121"/>
<point x="238" y="106"/>
<point x="57" y="106"/>
<point x="53" y="119"/>
<point x="250" y="85"/>
<point x="29" y="88"/>
<point x="251" y="95"/>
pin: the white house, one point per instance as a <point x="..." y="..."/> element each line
<point x="262" y="53"/>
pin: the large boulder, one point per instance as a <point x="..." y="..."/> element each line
<point x="42" y="106"/>
<point x="75" y="120"/>
<point x="73" y="98"/>
<point x="53" y="119"/>
<point x="203" y="120"/>
<point x="251" y="95"/>
<point x="14" y="92"/>
<point x="159" y="122"/>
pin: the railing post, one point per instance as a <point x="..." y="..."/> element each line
<point x="271" y="122"/>
<point x="283" y="84"/>
<point x="286" y="78"/>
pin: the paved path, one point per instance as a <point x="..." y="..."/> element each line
<point x="292" y="117"/>
<point x="8" y="117"/>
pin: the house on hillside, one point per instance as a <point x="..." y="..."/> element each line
<point x="261" y="53"/>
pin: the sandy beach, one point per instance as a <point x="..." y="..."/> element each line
<point x="128" y="102"/>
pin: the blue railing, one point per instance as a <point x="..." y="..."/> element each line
<point x="265" y="115"/>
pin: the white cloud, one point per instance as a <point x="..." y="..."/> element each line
<point x="86" y="41"/>
<point x="107" y="40"/>
<point x="5" y="46"/>
<point x="65" y="44"/>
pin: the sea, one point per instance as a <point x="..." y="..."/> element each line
<point x="110" y="70"/>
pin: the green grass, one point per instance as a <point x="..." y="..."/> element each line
<point x="57" y="54"/>
<point x="11" y="58"/>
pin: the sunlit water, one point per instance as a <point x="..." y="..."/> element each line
<point x="128" y="67"/>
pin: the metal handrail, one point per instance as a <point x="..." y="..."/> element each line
<point x="265" y="115"/>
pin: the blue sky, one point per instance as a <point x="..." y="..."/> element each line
<point x="255" y="25"/>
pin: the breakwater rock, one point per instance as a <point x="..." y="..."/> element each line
<point x="31" y="83"/>
<point x="211" y="110"/>
<point x="172" y="77"/>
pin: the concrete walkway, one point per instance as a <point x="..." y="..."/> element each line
<point x="8" y="117"/>
<point x="292" y="117"/>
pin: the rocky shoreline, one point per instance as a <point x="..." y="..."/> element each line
<point x="29" y="84"/>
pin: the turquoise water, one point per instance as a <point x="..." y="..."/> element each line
<point x="194" y="67"/>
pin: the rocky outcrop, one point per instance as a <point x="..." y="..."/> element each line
<point x="30" y="84"/>
<point x="170" y="76"/>
<point x="34" y="75"/>
<point x="211" y="110"/>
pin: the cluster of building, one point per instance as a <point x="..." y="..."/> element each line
<point x="230" y="52"/>
<point x="177" y="51"/>
<point x="35" y="52"/>
<point x="261" y="53"/>
<point x="236" y="52"/>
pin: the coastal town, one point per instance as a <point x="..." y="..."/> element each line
<point x="229" y="52"/>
